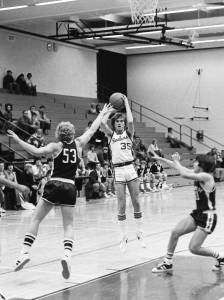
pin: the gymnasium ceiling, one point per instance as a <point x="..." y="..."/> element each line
<point x="106" y="24"/>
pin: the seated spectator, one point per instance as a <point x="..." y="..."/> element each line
<point x="153" y="147"/>
<point x="91" y="110"/>
<point x="92" y="155"/>
<point x="25" y="127"/>
<point x="37" y="139"/>
<point x="32" y="109"/>
<point x="160" y="175"/>
<point x="38" y="170"/>
<point x="8" y="116"/>
<point x="104" y="155"/>
<point x="81" y="174"/>
<point x="108" y="179"/>
<point x="12" y="199"/>
<point x="174" y="142"/>
<point x="9" y="83"/>
<point x="28" y="180"/>
<point x="34" y="120"/>
<point x="21" y="82"/>
<point x="95" y="188"/>
<point x="139" y="148"/>
<point x="45" y="122"/>
<point x="31" y="86"/>
<point x="99" y="138"/>
<point x="2" y="187"/>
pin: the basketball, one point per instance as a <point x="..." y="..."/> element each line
<point x="116" y="99"/>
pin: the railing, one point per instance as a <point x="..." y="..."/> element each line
<point x="153" y="118"/>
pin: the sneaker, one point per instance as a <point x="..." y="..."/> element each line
<point x="123" y="244"/>
<point x="219" y="264"/>
<point x="2" y="210"/>
<point x="24" y="259"/>
<point x="66" y="267"/>
<point x="141" y="239"/>
<point x="163" y="267"/>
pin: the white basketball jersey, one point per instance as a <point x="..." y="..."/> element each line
<point x="121" y="148"/>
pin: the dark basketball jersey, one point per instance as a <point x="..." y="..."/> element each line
<point x="204" y="200"/>
<point x="65" y="164"/>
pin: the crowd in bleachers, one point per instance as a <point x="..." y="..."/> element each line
<point x="21" y="85"/>
<point x="95" y="172"/>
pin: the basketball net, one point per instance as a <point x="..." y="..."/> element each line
<point x="143" y="11"/>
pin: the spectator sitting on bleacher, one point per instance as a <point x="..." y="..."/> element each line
<point x="9" y="83"/>
<point x="153" y="147"/>
<point x="45" y="122"/>
<point x="31" y="86"/>
<point x="23" y="87"/>
<point x="160" y="175"/>
<point x="139" y="148"/>
<point x="37" y="139"/>
<point x="104" y="155"/>
<point x="28" y="180"/>
<point x="174" y="142"/>
<point x="92" y="155"/>
<point x="81" y="173"/>
<point x="95" y="188"/>
<point x="108" y="179"/>
<point x="26" y="126"/>
<point x="32" y="110"/>
<point x="12" y="199"/>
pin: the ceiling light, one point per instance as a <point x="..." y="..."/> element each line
<point x="53" y="2"/>
<point x="145" y="46"/>
<point x="13" y="7"/>
<point x="208" y="41"/>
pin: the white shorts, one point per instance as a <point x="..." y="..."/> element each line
<point x="125" y="174"/>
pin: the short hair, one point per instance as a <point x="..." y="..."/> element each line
<point x="206" y="162"/>
<point x="115" y="117"/>
<point x="42" y="106"/>
<point x="65" y="132"/>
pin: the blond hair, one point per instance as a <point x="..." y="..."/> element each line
<point x="65" y="132"/>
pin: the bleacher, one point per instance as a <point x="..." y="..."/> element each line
<point x="68" y="108"/>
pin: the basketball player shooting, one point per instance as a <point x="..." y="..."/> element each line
<point x="60" y="189"/>
<point x="120" y="139"/>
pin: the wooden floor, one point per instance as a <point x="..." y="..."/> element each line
<point x="96" y="249"/>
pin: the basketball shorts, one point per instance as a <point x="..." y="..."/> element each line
<point x="205" y="220"/>
<point x="60" y="193"/>
<point x="125" y="174"/>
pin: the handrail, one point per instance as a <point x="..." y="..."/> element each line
<point x="105" y="92"/>
<point x="11" y="149"/>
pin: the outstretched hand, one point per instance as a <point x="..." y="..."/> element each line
<point x="107" y="109"/>
<point x="12" y="134"/>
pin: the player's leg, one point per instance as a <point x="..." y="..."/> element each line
<point x="42" y="209"/>
<point x="185" y="226"/>
<point x="133" y="187"/>
<point x="121" y="206"/>
<point x="68" y="225"/>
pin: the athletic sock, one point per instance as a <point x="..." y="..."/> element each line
<point x="138" y="221"/>
<point x="28" y="242"/>
<point x="169" y="258"/>
<point x="68" y="245"/>
<point x="122" y="225"/>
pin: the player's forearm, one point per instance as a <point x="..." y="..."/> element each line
<point x="29" y="148"/>
<point x="10" y="184"/>
<point x="96" y="123"/>
<point x="129" y="115"/>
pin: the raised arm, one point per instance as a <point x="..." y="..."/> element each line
<point x="129" y="116"/>
<point x="48" y="149"/>
<point x="104" y="125"/>
<point x="83" y="139"/>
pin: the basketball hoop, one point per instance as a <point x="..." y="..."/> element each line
<point x="143" y="11"/>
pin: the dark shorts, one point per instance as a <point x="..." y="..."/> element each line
<point x="206" y="220"/>
<point x="60" y="193"/>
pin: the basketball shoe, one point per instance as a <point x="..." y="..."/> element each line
<point x="123" y="244"/>
<point x="141" y="239"/>
<point x="162" y="267"/>
<point x="66" y="267"/>
<point x="22" y="261"/>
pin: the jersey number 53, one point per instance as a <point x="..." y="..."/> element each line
<point x="69" y="156"/>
